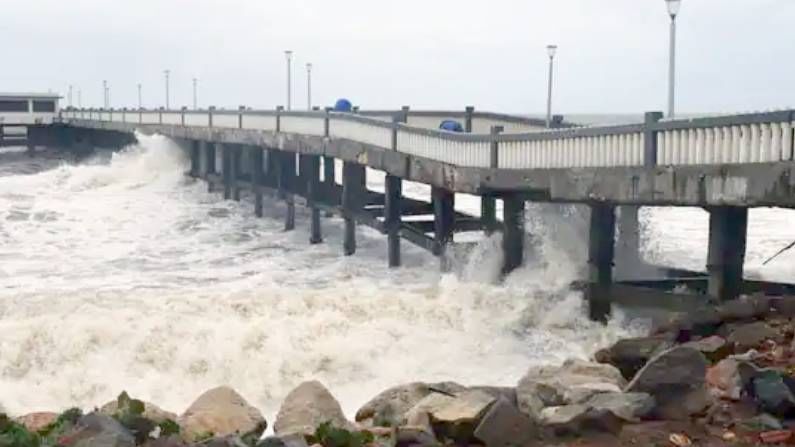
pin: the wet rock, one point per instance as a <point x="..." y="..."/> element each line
<point x="498" y="392"/>
<point x="419" y="415"/>
<point x="579" y="419"/>
<point x="389" y="407"/>
<point x="724" y="379"/>
<point x="166" y="441"/>
<point x="97" y="430"/>
<point x="714" y="348"/>
<point x="220" y="412"/>
<point x="762" y="422"/>
<point x="746" y="336"/>
<point x="293" y="440"/>
<point x="676" y="380"/>
<point x="505" y="426"/>
<point x="151" y="411"/>
<point x="784" y="306"/>
<point x="630" y="407"/>
<point x="458" y="418"/>
<point x="745" y="308"/>
<point x="772" y="393"/>
<point x="630" y="355"/>
<point x="36" y="421"/>
<point x="415" y="437"/>
<point x="703" y="322"/>
<point x="307" y="407"/>
<point x="574" y="381"/>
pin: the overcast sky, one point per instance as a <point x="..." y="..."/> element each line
<point x="734" y="55"/>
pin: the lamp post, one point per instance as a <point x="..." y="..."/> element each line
<point x="195" y="94"/>
<point x="70" y="96"/>
<point x="79" y="98"/>
<point x="309" y="86"/>
<point x="104" y="94"/>
<point x="140" y="102"/>
<point x="167" y="73"/>
<point x="673" y="11"/>
<point x="289" y="55"/>
<point x="551" y="51"/>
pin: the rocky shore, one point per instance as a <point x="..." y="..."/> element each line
<point x="721" y="375"/>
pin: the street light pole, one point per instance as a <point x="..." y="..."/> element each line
<point x="79" y="98"/>
<point x="104" y="94"/>
<point x="551" y="50"/>
<point x="140" y="102"/>
<point x="195" y="95"/>
<point x="70" y="96"/>
<point x="673" y="11"/>
<point x="168" y="100"/>
<point x="289" y="55"/>
<point x="309" y="86"/>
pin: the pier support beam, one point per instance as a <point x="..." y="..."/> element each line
<point x="353" y="186"/>
<point x="628" y="252"/>
<point x="329" y="181"/>
<point x="488" y="213"/>
<point x="393" y="189"/>
<point x="313" y="195"/>
<point x="195" y="158"/>
<point x="209" y="163"/>
<point x="257" y="176"/>
<point x="727" y="242"/>
<point x="601" y="248"/>
<point x="287" y="186"/>
<point x="226" y="166"/>
<point x="513" y="233"/>
<point x="443" y="222"/>
<point x="235" y="154"/>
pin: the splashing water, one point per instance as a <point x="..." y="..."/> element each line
<point x="120" y="273"/>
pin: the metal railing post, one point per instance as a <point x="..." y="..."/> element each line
<point x="210" y="111"/>
<point x="327" y="123"/>
<point x="160" y="115"/>
<point x="470" y="111"/>
<point x="279" y="110"/>
<point x="495" y="146"/>
<point x="240" y="111"/>
<point x="650" y="148"/>
<point x="182" y="115"/>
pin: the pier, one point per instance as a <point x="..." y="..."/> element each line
<point x="724" y="164"/>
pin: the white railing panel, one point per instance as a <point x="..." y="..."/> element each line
<point x="172" y="118"/>
<point x="260" y="122"/>
<point x="362" y="132"/>
<point x="461" y="153"/>
<point x="304" y="125"/>
<point x="573" y="152"/>
<point x="483" y="126"/>
<point x="197" y="119"/>
<point x="225" y="120"/>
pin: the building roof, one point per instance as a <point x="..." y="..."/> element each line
<point x="28" y="95"/>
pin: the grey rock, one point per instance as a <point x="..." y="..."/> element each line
<point x="415" y="437"/>
<point x="572" y="382"/>
<point x="294" y="440"/>
<point x="498" y="392"/>
<point x="579" y="419"/>
<point x="747" y="336"/>
<point x="389" y="407"/>
<point x="772" y="394"/>
<point x="703" y="322"/>
<point x="630" y="407"/>
<point x="99" y="430"/>
<point x="307" y="407"/>
<point x="676" y="380"/>
<point x="784" y="306"/>
<point x="459" y="416"/>
<point x="630" y="355"/>
<point x="222" y="412"/>
<point x="762" y="422"/>
<point x="714" y="348"/>
<point x="505" y="426"/>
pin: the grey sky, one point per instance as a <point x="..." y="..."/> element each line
<point x="734" y="55"/>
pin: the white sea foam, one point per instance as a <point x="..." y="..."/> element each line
<point x="119" y="273"/>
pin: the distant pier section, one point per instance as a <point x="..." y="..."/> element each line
<point x="21" y="111"/>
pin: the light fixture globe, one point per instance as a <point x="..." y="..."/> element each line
<point x="551" y="50"/>
<point x="673" y="7"/>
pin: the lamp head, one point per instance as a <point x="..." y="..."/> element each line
<point x="673" y="7"/>
<point x="552" y="50"/>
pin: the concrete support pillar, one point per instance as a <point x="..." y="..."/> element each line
<point x="601" y="246"/>
<point x="488" y="213"/>
<point x="628" y="251"/>
<point x="195" y="158"/>
<point x="286" y="186"/>
<point x="443" y="221"/>
<point x="226" y="166"/>
<point x="209" y="161"/>
<point x="313" y="194"/>
<point x="513" y="233"/>
<point x="329" y="182"/>
<point x="257" y="176"/>
<point x="353" y="181"/>
<point x="727" y="242"/>
<point x="235" y="166"/>
<point x="392" y="217"/>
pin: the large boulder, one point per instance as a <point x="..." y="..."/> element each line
<point x="459" y="416"/>
<point x="505" y="426"/>
<point x="714" y="348"/>
<point x="745" y="308"/>
<point x="630" y="355"/>
<point x="36" y="421"/>
<point x="748" y="336"/>
<point x="97" y="430"/>
<point x="579" y="419"/>
<point x="307" y="407"/>
<point x="573" y="382"/>
<point x="220" y="412"/>
<point x="293" y="440"/>
<point x="630" y="407"/>
<point x="389" y="407"/>
<point x="724" y="379"/>
<point x="773" y="393"/>
<point x="151" y="411"/>
<point x="676" y="380"/>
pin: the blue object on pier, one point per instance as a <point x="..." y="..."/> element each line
<point x="451" y="126"/>
<point x="343" y="105"/>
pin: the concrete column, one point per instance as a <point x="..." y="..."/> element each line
<point x="226" y="166"/>
<point x="513" y="233"/>
<point x="488" y="213"/>
<point x="353" y="178"/>
<point x="235" y="165"/>
<point x="257" y="177"/>
<point x="210" y="164"/>
<point x="628" y="252"/>
<point x="195" y="158"/>
<point x="286" y="186"/>
<point x="443" y="219"/>
<point x="392" y="217"/>
<point x="313" y="194"/>
<point x="601" y="246"/>
<point x="727" y="242"/>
